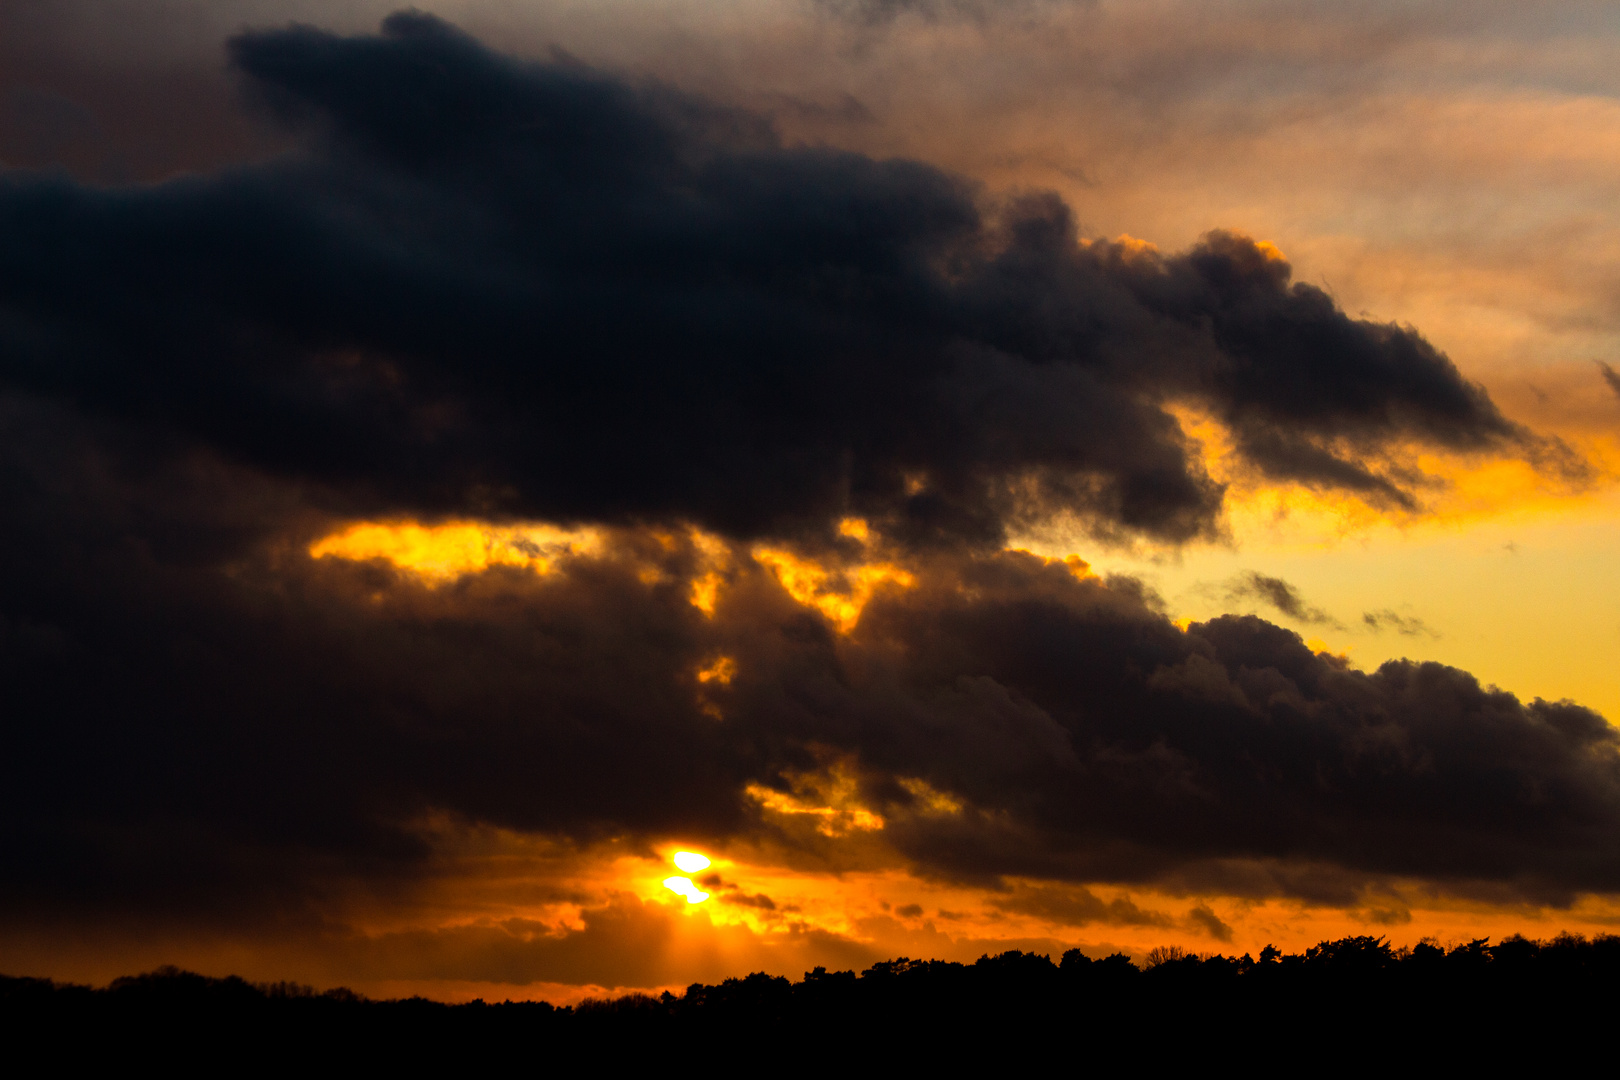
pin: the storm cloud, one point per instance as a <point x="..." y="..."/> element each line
<point x="200" y="712"/>
<point x="513" y="290"/>
<point x="536" y="289"/>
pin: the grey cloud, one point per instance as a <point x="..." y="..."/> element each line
<point x="534" y="289"/>
<point x="1254" y="585"/>
<point x="537" y="290"/>
<point x="206" y="725"/>
<point x="1610" y="376"/>
<point x="1206" y="921"/>
<point x="1406" y="625"/>
<point x="1073" y="906"/>
<point x="879" y="13"/>
<point x="1184" y="736"/>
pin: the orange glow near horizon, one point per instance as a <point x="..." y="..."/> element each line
<point x="890" y="911"/>
<point x="535" y="909"/>
<point x="764" y="913"/>
<point x="826" y="885"/>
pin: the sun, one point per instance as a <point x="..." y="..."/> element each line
<point x="692" y="863"/>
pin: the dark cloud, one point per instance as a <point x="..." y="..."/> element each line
<point x="879" y="13"/>
<point x="534" y="289"/>
<point x="1078" y="907"/>
<point x="205" y="724"/>
<point x="1408" y="625"/>
<point x="1209" y="923"/>
<point x="845" y="109"/>
<point x="496" y="288"/>
<point x="1122" y="747"/>
<point x="1610" y="376"/>
<point x="1254" y="585"/>
<point x="757" y="900"/>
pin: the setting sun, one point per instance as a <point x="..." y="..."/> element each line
<point x="1074" y="479"/>
<point x="691" y="861"/>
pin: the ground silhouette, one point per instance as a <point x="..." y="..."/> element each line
<point x="1354" y="1000"/>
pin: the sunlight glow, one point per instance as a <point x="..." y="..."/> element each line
<point x="722" y="671"/>
<point x="815" y="586"/>
<point x="930" y="800"/>
<point x="1456" y="490"/>
<point x="684" y="887"/>
<point x="705" y="592"/>
<point x="446" y="551"/>
<point x="691" y="861"/>
<point x="829" y="798"/>
<point x="714" y="556"/>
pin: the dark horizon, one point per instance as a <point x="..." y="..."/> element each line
<point x="1357" y="996"/>
<point x="1515" y="958"/>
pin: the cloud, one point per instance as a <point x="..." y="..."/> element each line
<point x="1279" y="594"/>
<point x="1119" y="740"/>
<point x="207" y="725"/>
<point x="1078" y="907"/>
<point x="881" y="13"/>
<point x="1610" y="376"/>
<point x="624" y="942"/>
<point x="1406" y="625"/>
<point x="534" y="289"/>
<point x="512" y="291"/>
<point x="1206" y="921"/>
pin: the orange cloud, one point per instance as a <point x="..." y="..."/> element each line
<point x="829" y="800"/>
<point x="838" y="596"/>
<point x="451" y="549"/>
<point x="1455" y="489"/>
<point x="721" y="671"/>
<point x="715" y="556"/>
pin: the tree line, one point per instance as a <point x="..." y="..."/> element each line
<point x="1352" y="994"/>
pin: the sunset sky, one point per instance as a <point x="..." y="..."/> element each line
<point x="1035" y="475"/>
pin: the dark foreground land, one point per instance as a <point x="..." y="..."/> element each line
<point x="1340" y="1006"/>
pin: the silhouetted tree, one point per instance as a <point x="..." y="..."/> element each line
<point x="902" y="1013"/>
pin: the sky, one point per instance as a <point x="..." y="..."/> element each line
<point x="983" y="475"/>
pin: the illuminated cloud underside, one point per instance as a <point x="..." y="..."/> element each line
<point x="810" y="809"/>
